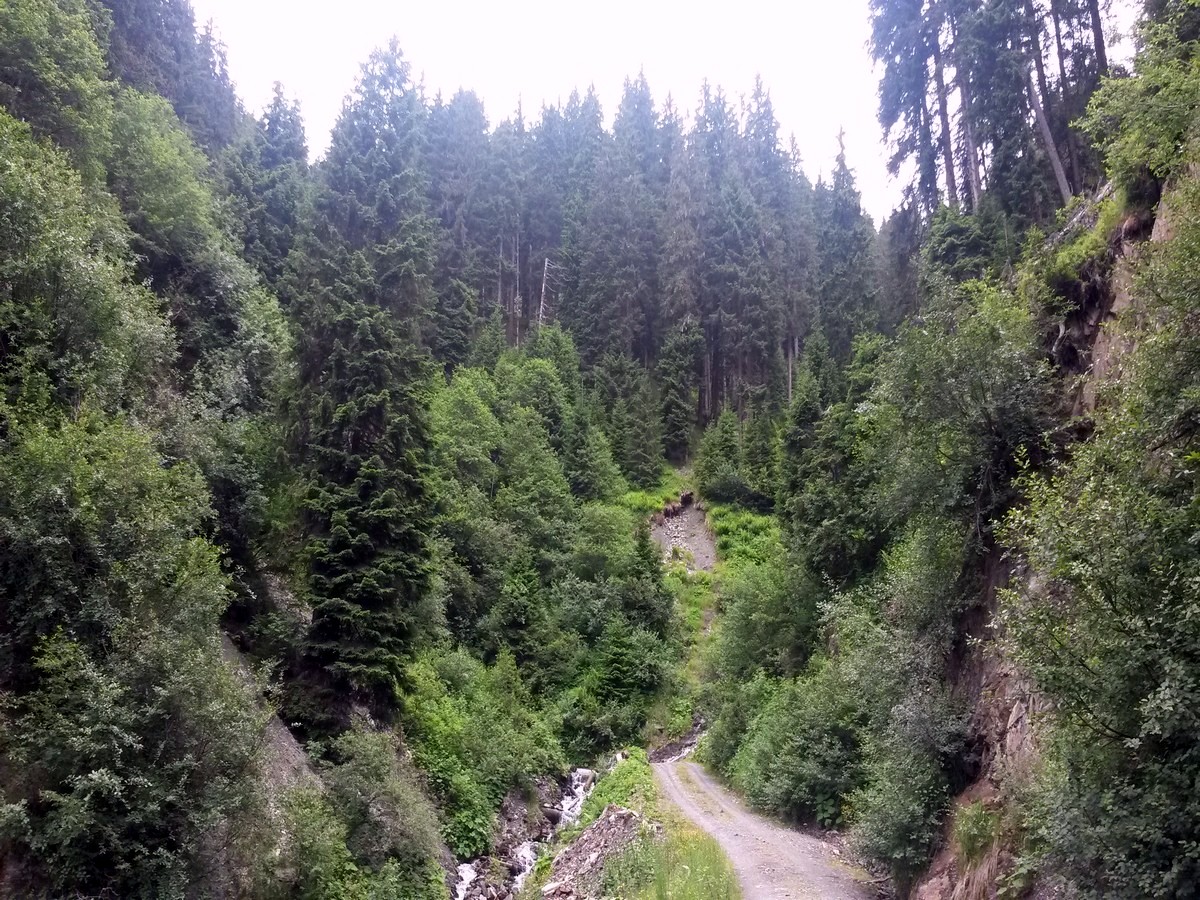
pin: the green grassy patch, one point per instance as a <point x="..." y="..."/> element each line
<point x="687" y="865"/>
<point x="649" y="501"/>
<point x="743" y="536"/>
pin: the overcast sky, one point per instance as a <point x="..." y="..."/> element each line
<point x="811" y="54"/>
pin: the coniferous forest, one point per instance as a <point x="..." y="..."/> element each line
<point x="331" y="485"/>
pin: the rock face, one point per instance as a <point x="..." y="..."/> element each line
<point x="578" y="870"/>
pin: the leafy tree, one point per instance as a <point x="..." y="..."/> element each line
<point x="52" y="76"/>
<point x="132" y="735"/>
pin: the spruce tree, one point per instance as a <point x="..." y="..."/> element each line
<point x="677" y="364"/>
<point x="643" y="454"/>
<point x="368" y="512"/>
<point x="846" y="287"/>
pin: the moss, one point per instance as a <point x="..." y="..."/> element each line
<point x="1056" y="278"/>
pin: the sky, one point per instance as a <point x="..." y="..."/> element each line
<point x="812" y="56"/>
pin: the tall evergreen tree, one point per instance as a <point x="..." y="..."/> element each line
<point x="846" y="288"/>
<point x="368" y="514"/>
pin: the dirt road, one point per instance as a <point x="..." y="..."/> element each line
<point x="772" y="862"/>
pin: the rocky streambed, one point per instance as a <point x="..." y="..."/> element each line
<point x="526" y="825"/>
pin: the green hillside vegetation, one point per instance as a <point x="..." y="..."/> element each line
<point x="388" y="427"/>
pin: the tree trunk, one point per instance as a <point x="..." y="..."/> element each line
<point x="968" y="130"/>
<point x="1043" y="86"/>
<point x="944" y="117"/>
<point x="1051" y="149"/>
<point x="1058" y="49"/>
<point x="1098" y="37"/>
<point x="1036" y="46"/>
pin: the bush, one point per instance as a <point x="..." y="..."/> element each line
<point x="898" y="814"/>
<point x="801" y="757"/>
<point x="976" y="830"/>
<point x="476" y="732"/>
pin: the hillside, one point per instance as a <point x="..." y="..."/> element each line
<point x="329" y="488"/>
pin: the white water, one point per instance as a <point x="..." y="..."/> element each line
<point x="525" y="856"/>
<point x="466" y="877"/>
<point x="582" y="782"/>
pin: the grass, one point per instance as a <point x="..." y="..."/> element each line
<point x="651" y="500"/>
<point x="686" y="865"/>
<point x="743" y="536"/>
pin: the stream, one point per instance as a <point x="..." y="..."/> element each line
<point x="524" y="857"/>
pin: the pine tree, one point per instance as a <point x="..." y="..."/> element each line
<point x="644" y="454"/>
<point x="267" y="174"/>
<point x="720" y="452"/>
<point x="760" y="443"/>
<point x="374" y="180"/>
<point x="368" y="513"/>
<point x="846" y="287"/>
<point x="677" y="366"/>
<point x="587" y="458"/>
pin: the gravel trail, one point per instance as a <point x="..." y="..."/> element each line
<point x="772" y="861"/>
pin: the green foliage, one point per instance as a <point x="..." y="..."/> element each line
<point x="322" y="867"/>
<point x="133" y="738"/>
<point x="683" y="866"/>
<point x="52" y="75"/>
<point x="1112" y="640"/>
<point x="368" y="510"/>
<point x="588" y="459"/>
<point x="470" y="768"/>
<point x="160" y="177"/>
<point x="76" y="327"/>
<point x="720" y="452"/>
<point x="677" y="374"/>
<point x="976" y="831"/>
<point x="743" y="536"/>
<point x="954" y="448"/>
<point x="801" y="756"/>
<point x="769" y="618"/>
<point x="1141" y="123"/>
<point x="377" y="794"/>
<point x="533" y="495"/>
<point x="647" y="502"/>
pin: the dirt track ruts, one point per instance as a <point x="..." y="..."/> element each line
<point x="771" y="860"/>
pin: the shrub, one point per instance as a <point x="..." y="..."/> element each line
<point x="976" y="830"/>
<point x="801" y="757"/>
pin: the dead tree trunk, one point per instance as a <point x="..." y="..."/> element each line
<point x="1048" y="137"/>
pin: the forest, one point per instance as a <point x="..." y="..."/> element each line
<point x="356" y="458"/>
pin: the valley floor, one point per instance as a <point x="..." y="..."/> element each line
<point x="772" y="861"/>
